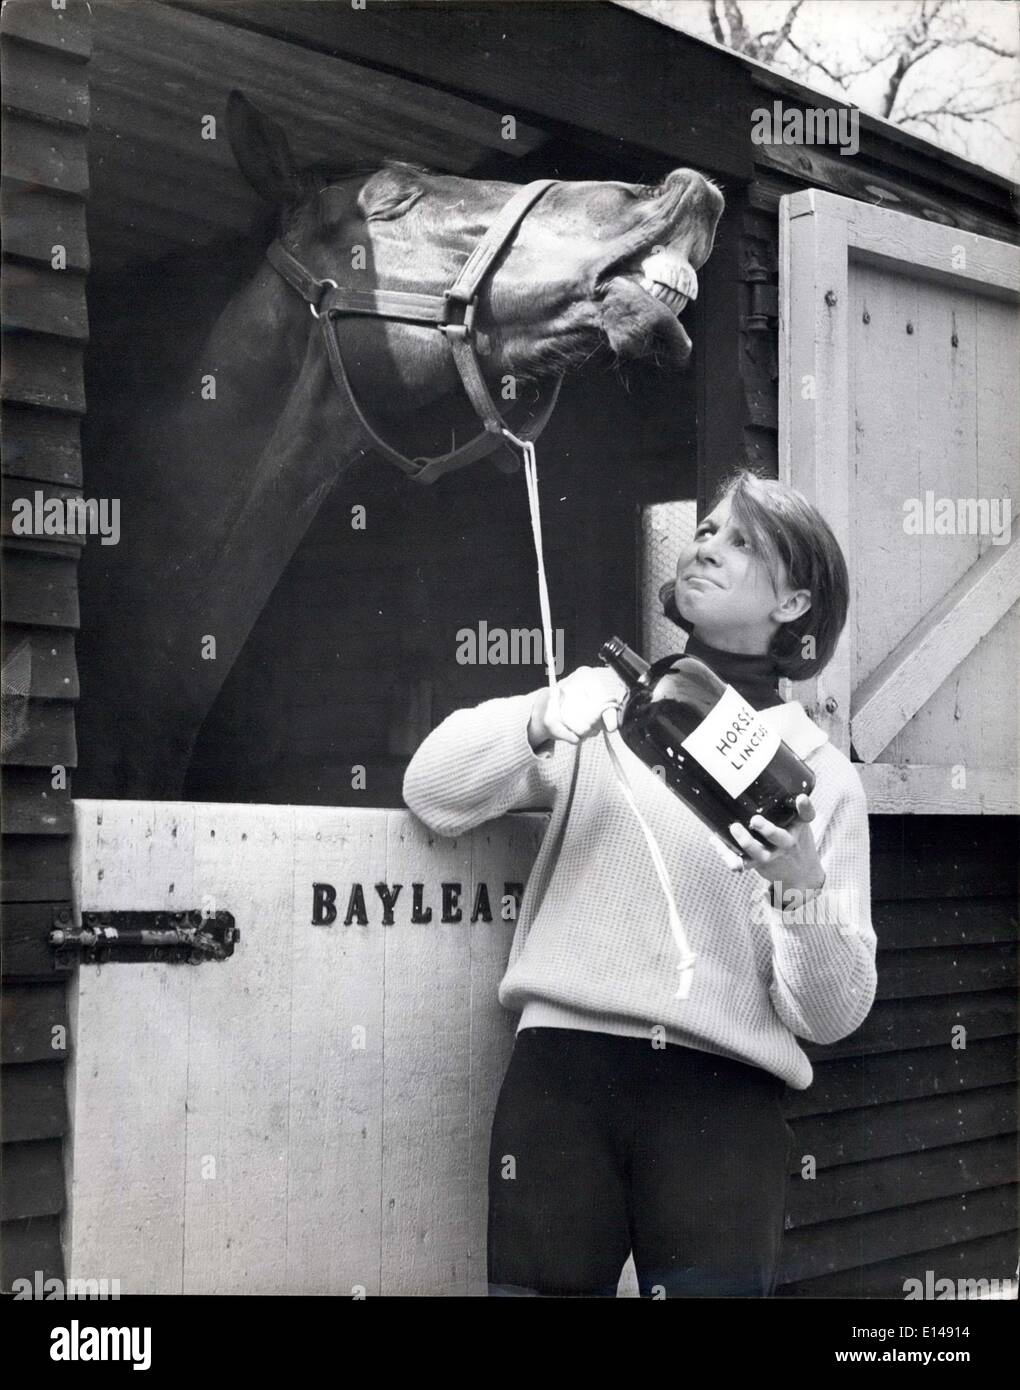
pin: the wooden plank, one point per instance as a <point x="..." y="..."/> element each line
<point x="32" y="806"/>
<point x="41" y="445"/>
<point x="912" y="672"/>
<point x="36" y="222"/>
<point x="48" y="738"/>
<point x="326" y="103"/>
<point x="898" y="1024"/>
<point x="520" y="68"/>
<point x="25" y="932"/>
<point x="28" y="1246"/>
<point x="988" y="1257"/>
<point x="940" y="857"/>
<point x="816" y="1250"/>
<point x="44" y="301"/>
<point x="895" y="789"/>
<point x="42" y="371"/>
<point x="239" y="1094"/>
<point x="853" y="1082"/>
<point x="955" y="922"/>
<point x="30" y="496"/>
<point x="426" y="1033"/>
<point x="337" y="1060"/>
<point x="993" y="666"/>
<point x="946" y="448"/>
<point x="35" y="869"/>
<point x="33" y="1182"/>
<point x="946" y="970"/>
<point x="44" y="83"/>
<point x="910" y="1127"/>
<point x="814" y="413"/>
<point x="34" y="1103"/>
<point x="921" y="249"/>
<point x="872" y="184"/>
<point x="67" y="30"/>
<point x="53" y="672"/>
<point x="34" y="1022"/>
<point x="45" y="156"/>
<point x="128" y="1212"/>
<point x="40" y="590"/>
<point x="892" y="1183"/>
<point x="895" y="147"/>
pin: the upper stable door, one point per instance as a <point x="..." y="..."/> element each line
<point x="898" y="415"/>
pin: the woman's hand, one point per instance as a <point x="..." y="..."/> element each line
<point x="788" y="856"/>
<point x="575" y="711"/>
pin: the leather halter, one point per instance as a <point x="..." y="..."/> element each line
<point x="451" y="313"/>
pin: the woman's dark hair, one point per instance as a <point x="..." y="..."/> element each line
<point x="784" y="529"/>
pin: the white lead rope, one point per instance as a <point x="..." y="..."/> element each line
<point x="687" y="956"/>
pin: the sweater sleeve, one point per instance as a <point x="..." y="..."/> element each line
<point x="823" y="960"/>
<point x="478" y="764"/>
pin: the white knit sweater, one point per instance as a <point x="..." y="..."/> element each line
<point x="593" y="949"/>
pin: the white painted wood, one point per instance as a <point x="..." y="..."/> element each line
<point x="426" y="1035"/>
<point x="909" y="675"/>
<point x="336" y="1059"/>
<point x="339" y="1167"/>
<point x="928" y="248"/>
<point x="239" y="1045"/>
<point x="898" y="413"/>
<point x="964" y="790"/>
<point x="127" y="1076"/>
<point x="814" y="412"/>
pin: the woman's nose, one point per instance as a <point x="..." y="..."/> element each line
<point x="707" y="550"/>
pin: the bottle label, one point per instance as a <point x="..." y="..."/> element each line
<point x="733" y="743"/>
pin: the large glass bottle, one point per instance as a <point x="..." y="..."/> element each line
<point x="715" y="750"/>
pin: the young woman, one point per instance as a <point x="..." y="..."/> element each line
<point x="629" y="1119"/>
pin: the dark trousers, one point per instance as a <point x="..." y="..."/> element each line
<point x="602" y="1145"/>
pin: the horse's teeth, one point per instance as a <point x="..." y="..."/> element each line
<point x="672" y="298"/>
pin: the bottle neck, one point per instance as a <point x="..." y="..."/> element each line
<point x="631" y="668"/>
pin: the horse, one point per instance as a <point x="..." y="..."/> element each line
<point x="217" y="419"/>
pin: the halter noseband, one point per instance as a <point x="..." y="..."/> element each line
<point x="451" y="313"/>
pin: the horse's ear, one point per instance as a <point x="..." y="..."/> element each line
<point x="390" y="193"/>
<point x="261" y="150"/>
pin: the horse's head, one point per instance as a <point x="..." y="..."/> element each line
<point x="592" y="261"/>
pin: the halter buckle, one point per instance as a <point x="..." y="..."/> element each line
<point x="324" y="285"/>
<point x="464" y="326"/>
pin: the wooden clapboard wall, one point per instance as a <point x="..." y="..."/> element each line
<point x="915" y="1138"/>
<point x="45" y="52"/>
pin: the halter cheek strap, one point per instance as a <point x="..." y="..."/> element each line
<point x="451" y="313"/>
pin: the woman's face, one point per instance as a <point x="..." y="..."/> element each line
<point x="724" y="589"/>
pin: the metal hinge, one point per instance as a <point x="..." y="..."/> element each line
<point x="188" y="937"/>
